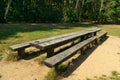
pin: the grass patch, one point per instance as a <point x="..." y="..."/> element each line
<point x="56" y="73"/>
<point x="1" y="57"/>
<point x="40" y="59"/>
<point x="12" y="57"/>
<point x="61" y="68"/>
<point x="11" y="34"/>
<point x="114" y="76"/>
<point x="113" y="30"/>
<point x="98" y="41"/>
<point x="51" y="75"/>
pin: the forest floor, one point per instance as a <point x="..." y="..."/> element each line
<point x="103" y="60"/>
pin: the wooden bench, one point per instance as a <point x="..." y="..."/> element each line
<point x="64" y="55"/>
<point x="48" y="44"/>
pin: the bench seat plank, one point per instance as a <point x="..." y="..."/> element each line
<point x="54" y="60"/>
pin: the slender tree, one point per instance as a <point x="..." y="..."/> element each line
<point x="7" y="8"/>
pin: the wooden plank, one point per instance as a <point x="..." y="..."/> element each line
<point x="62" y="40"/>
<point x="19" y="46"/>
<point x="103" y="34"/>
<point x="56" y="59"/>
<point x="27" y="44"/>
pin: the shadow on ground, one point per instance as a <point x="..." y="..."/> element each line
<point x="10" y="30"/>
<point x="33" y="55"/>
<point x="80" y="59"/>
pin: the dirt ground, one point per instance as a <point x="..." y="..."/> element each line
<point x="101" y="60"/>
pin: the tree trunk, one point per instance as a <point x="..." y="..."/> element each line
<point x="76" y="4"/>
<point x="100" y="11"/>
<point x="7" y="9"/>
<point x="81" y="10"/>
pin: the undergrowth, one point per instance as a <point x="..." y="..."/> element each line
<point x="12" y="57"/>
<point x="56" y="73"/>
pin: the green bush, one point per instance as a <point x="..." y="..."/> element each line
<point x="56" y="73"/>
<point x="61" y="68"/>
<point x="51" y="75"/>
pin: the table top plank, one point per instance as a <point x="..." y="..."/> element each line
<point x="63" y="39"/>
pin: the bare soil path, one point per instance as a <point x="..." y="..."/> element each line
<point x="22" y="70"/>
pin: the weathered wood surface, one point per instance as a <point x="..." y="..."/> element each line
<point x="103" y="34"/>
<point x="56" y="59"/>
<point x="62" y="40"/>
<point x="27" y="44"/>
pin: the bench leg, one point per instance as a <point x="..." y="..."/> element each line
<point x="89" y="35"/>
<point x="82" y="51"/>
<point x="95" y="33"/>
<point x="83" y="38"/>
<point x="21" y="53"/>
<point x="90" y="45"/>
<point x="50" y="52"/>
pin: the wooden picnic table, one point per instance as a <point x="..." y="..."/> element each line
<point x="50" y="43"/>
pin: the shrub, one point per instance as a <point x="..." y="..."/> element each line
<point x="56" y="73"/>
<point x="51" y="75"/>
<point x="61" y="68"/>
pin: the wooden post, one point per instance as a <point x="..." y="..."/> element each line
<point x="97" y="41"/>
<point x="82" y="50"/>
<point x="95" y="33"/>
<point x="50" y="52"/>
<point x="82" y="38"/>
<point x="21" y="52"/>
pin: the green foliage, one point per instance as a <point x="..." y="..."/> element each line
<point x="61" y="68"/>
<point x="35" y="11"/>
<point x="98" y="40"/>
<point x="61" y="10"/>
<point x="51" y="75"/>
<point x="12" y="57"/>
<point x="2" y="10"/>
<point x="55" y="73"/>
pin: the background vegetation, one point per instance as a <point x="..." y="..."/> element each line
<point x="100" y="11"/>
